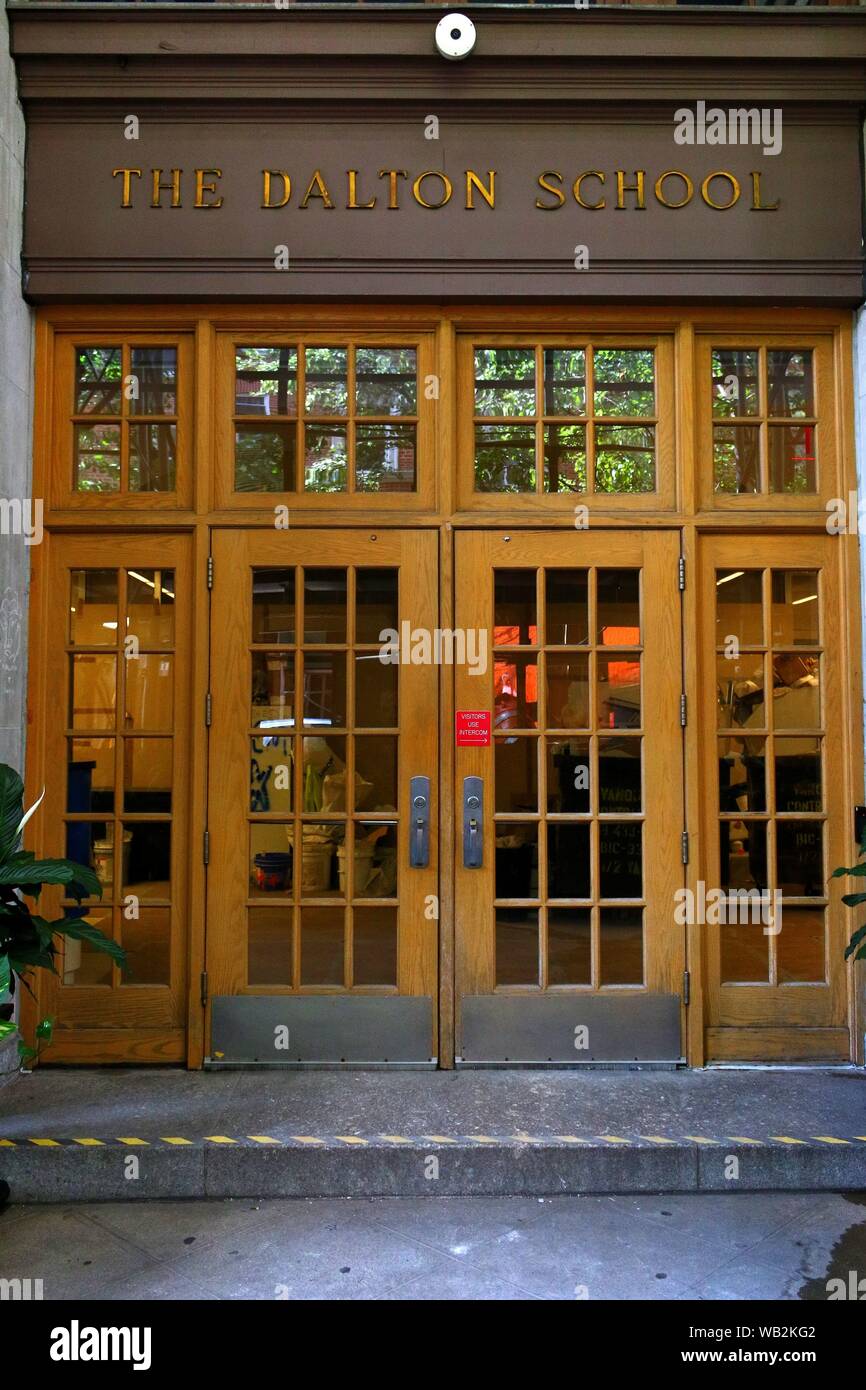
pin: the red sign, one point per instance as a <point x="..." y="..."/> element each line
<point x="473" y="728"/>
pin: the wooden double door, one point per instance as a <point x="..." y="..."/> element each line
<point x="332" y="792"/>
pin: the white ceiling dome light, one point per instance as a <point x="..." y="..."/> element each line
<point x="455" y="36"/>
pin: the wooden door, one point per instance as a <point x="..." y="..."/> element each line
<point x="321" y="920"/>
<point x="776" y="822"/>
<point x="112" y="695"/>
<point x="567" y="949"/>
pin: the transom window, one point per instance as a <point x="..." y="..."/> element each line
<point x="125" y="418"/>
<point x="565" y="419"/>
<point x="765" y="425"/>
<point x="322" y="419"/>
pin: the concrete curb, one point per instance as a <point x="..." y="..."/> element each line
<point x="463" y="1166"/>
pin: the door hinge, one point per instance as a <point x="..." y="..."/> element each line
<point x="683" y="711"/>
<point x="210" y="571"/>
<point x="684" y="841"/>
<point x="687" y="988"/>
<point x="208" y="709"/>
<point x="204" y="989"/>
<point x="206" y="847"/>
<point x="682" y="572"/>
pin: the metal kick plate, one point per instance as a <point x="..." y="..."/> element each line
<point x="291" y="1029"/>
<point x="571" y="1028"/>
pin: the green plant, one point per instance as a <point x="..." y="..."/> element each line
<point x="28" y="941"/>
<point x="857" y="945"/>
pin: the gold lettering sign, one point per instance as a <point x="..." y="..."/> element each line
<point x="433" y="189"/>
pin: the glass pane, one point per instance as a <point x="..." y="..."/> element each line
<point x="152" y="454"/>
<point x="516" y="846"/>
<point x="322" y="946"/>
<point x="621" y="944"/>
<point x="568" y="859"/>
<point x="324" y="773"/>
<point x="504" y="458"/>
<point x="619" y="607"/>
<point x="375" y="693"/>
<point x="515" y="693"/>
<point x="150" y="599"/>
<point x="93" y="692"/>
<point x="146" y="862"/>
<point x="385" y="381"/>
<point x="742" y="779"/>
<point x="272" y="704"/>
<point x="798" y="774"/>
<point x="565" y="458"/>
<point x="375" y="774"/>
<point x="271" y="768"/>
<point x="792" y="458"/>
<point x="147" y="774"/>
<point x="800" y="858"/>
<point x="619" y="691"/>
<point x="325" y="605"/>
<point x="564" y="381"/>
<point x="515" y="617"/>
<point x="374" y="941"/>
<point x="149" y="693"/>
<point x="517" y="956"/>
<point x="375" y="604"/>
<point x="740" y="692"/>
<point x="97" y="458"/>
<point x="625" y="458"/>
<point x="735" y="388"/>
<point x="743" y="854"/>
<point x="790" y="385"/>
<point x="567" y="690"/>
<point x="385" y="458"/>
<point x="375" y="860"/>
<point x="98" y="373"/>
<point x="800" y="946"/>
<point x="82" y="837"/>
<point x="516" y="781"/>
<point x="737" y="458"/>
<point x="325" y="458"/>
<point x="146" y="937"/>
<point x="93" y="608"/>
<point x="273" y="605"/>
<point x="796" y="693"/>
<point x="325" y="688"/>
<point x="745" y="955"/>
<point x="90" y="775"/>
<point x="504" y="381"/>
<point x="624" y="381"/>
<point x="795" y="608"/>
<point x="266" y="381"/>
<point x="321" y="842"/>
<point x="326" y="390"/>
<point x="269" y="945"/>
<point x="568" y="775"/>
<point x="567" y="607"/>
<point x="82" y="965"/>
<point x="569" y="946"/>
<point x="154" y="372"/>
<point x="619" y="775"/>
<point x="739" y="608"/>
<point x="621" y="859"/>
<point x="265" y="457"/>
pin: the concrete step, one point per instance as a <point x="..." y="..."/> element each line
<point x="100" y="1135"/>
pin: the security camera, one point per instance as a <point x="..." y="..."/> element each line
<point x="455" y="36"/>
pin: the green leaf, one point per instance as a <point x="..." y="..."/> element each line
<point x="22" y="871"/>
<point x="25" y="1053"/>
<point x="853" y="899"/>
<point x="45" y="1029"/>
<point x="856" y="870"/>
<point x="20" y="957"/>
<point x="11" y="808"/>
<point x="80" y="930"/>
<point x="5" y="974"/>
<point x="6" y="1029"/>
<point x="859" y="935"/>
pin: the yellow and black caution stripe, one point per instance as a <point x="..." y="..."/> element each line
<point x="349" y="1142"/>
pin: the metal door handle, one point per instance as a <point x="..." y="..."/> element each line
<point x="473" y="822"/>
<point x="419" y="833"/>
